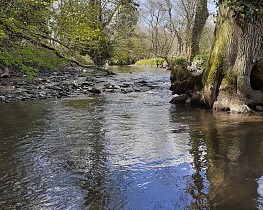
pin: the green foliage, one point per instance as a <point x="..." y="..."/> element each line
<point x="24" y="24"/>
<point x="2" y="34"/>
<point x="29" y="60"/>
<point x="79" y="26"/>
<point x="130" y="47"/>
<point x="86" y="60"/>
<point x="203" y="57"/>
<point x="179" y="60"/>
<point x="15" y="59"/>
<point x="122" y="57"/>
<point x="85" y="27"/>
<point x="91" y="27"/>
<point x="150" y="62"/>
<point x="6" y="58"/>
<point x="28" y="14"/>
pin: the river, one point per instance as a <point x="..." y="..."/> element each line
<point x="128" y="151"/>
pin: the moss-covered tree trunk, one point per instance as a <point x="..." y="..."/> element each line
<point x="234" y="77"/>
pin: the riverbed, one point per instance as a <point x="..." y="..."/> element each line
<point x="128" y="150"/>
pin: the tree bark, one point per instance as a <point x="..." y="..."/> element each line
<point x="237" y="50"/>
<point x="201" y="16"/>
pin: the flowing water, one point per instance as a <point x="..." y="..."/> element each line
<point x="128" y="151"/>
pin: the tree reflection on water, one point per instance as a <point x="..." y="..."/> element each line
<point x="227" y="158"/>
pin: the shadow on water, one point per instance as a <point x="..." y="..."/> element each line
<point x="128" y="151"/>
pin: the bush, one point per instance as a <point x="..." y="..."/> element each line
<point x="204" y="56"/>
<point x="199" y="62"/>
<point x="150" y="62"/>
<point x="180" y="60"/>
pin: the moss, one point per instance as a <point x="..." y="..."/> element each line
<point x="215" y="70"/>
<point x="28" y="59"/>
<point x="229" y="78"/>
<point x="179" y="72"/>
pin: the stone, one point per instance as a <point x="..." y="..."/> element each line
<point x="180" y="99"/>
<point x="82" y="79"/>
<point x="95" y="90"/>
<point x="3" y="98"/>
<point x="259" y="108"/>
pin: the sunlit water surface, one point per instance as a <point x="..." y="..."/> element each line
<point x="128" y="151"/>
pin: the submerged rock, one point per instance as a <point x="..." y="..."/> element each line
<point x="179" y="99"/>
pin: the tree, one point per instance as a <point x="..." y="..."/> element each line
<point x="234" y="77"/>
<point x="88" y="26"/>
<point x="66" y="27"/>
<point x="186" y="10"/>
<point x="158" y="23"/>
<point x="78" y="25"/>
<point x="174" y="23"/>
<point x="124" y="34"/>
<point x="23" y="23"/>
<point x="201" y="15"/>
<point x="129" y="50"/>
<point x="164" y="29"/>
<point x="207" y="36"/>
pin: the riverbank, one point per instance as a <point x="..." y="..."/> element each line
<point x="68" y="82"/>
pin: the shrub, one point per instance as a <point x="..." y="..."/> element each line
<point x="150" y="62"/>
<point x="204" y="56"/>
<point x="179" y="60"/>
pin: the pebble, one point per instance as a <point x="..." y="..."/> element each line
<point x="65" y="83"/>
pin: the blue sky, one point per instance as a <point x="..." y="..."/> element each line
<point x="212" y="7"/>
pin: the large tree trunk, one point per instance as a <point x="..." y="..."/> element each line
<point x="201" y="15"/>
<point x="236" y="58"/>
